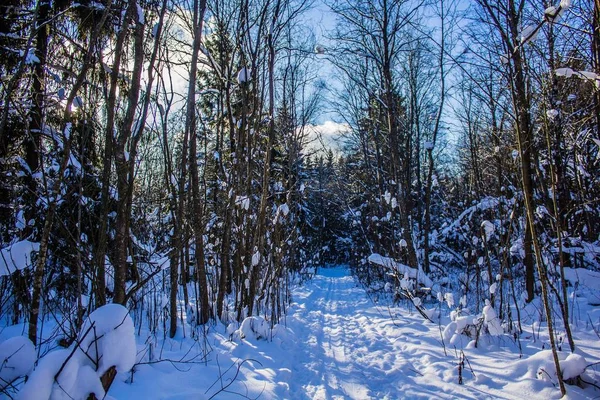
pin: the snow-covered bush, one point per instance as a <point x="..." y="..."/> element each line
<point x="253" y="328"/>
<point x="106" y="340"/>
<point x="462" y="325"/>
<point x="491" y="320"/>
<point x="17" y="356"/>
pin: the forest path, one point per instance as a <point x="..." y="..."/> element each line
<point x="348" y="348"/>
<point x="339" y="344"/>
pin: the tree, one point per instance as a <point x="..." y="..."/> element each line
<point x="505" y="18"/>
<point x="376" y="32"/>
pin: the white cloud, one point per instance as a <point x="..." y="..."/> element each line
<point x="325" y="136"/>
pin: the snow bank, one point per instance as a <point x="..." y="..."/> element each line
<point x="17" y="356"/>
<point x="41" y="384"/>
<point x="106" y="339"/>
<point x="403" y="269"/>
<point x="16" y="256"/>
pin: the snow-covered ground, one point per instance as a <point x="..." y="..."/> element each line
<point x="340" y="345"/>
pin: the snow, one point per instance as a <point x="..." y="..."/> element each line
<point x="584" y="277"/>
<point x="336" y="344"/>
<point x="529" y="33"/>
<point x="485" y="204"/>
<point x="285" y="209"/>
<point x="41" y="382"/>
<point x="387" y="197"/>
<point x="115" y="343"/>
<point x="17" y="256"/>
<point x="588" y="75"/>
<point x="554" y="14"/>
<point x="491" y="320"/>
<point x="449" y="299"/>
<point x="140" y="14"/>
<point x="77" y="102"/>
<point x="402" y="269"/>
<point x="551" y="114"/>
<point x="244" y="75"/>
<point x="17" y="356"/>
<point x="566" y="72"/>
<point x="488" y="229"/>
<point x="573" y="366"/>
<point x="253" y="328"/>
<point x="255" y="259"/>
<point x="96" y="5"/>
<point x="106" y="339"/>
<point x="31" y="58"/>
<point x="565" y="4"/>
<point x="243" y="202"/>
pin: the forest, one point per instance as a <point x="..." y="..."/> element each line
<point x="164" y="175"/>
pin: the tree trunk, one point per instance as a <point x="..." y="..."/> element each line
<point x="191" y="128"/>
<point x="125" y="152"/>
<point x="111" y="108"/>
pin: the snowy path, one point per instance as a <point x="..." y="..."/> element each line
<point x="349" y="348"/>
<point x="347" y="351"/>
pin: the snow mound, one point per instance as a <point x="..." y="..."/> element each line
<point x="17" y="356"/>
<point x="253" y="328"/>
<point x="106" y="339"/>
<point x="541" y="366"/>
<point x="112" y="338"/>
<point x="573" y="366"/>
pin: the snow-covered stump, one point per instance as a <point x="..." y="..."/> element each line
<point x="105" y="346"/>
